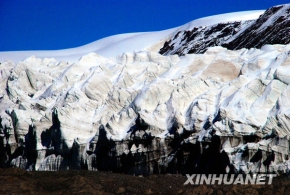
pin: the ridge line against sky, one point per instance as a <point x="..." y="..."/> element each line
<point x="61" y="24"/>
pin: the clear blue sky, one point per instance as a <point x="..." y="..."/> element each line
<point x="59" y="24"/>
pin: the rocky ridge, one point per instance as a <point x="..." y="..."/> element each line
<point x="272" y="27"/>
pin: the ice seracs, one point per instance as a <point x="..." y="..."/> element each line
<point x="236" y="93"/>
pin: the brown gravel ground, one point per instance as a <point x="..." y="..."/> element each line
<point x="17" y="181"/>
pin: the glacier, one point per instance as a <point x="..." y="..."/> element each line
<point x="119" y="105"/>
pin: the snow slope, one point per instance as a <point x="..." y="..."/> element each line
<point x="222" y="18"/>
<point x="118" y="44"/>
<point x="108" y="47"/>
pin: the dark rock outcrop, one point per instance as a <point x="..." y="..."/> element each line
<point x="272" y="27"/>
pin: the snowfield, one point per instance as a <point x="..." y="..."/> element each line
<point x="132" y="42"/>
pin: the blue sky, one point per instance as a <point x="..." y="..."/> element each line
<point x="59" y="24"/>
